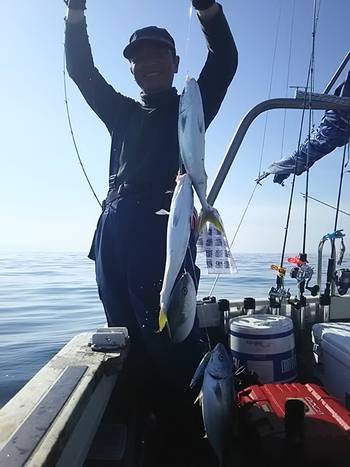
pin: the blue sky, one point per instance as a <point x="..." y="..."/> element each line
<point x="46" y="204"/>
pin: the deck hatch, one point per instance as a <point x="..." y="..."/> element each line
<point x="23" y="442"/>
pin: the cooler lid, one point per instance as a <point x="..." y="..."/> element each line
<point x="261" y="324"/>
<point x="336" y="335"/>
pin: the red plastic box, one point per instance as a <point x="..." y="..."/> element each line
<point x="315" y="431"/>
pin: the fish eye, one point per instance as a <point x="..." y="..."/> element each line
<point x="185" y="291"/>
<point x="221" y="357"/>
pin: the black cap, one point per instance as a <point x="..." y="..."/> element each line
<point x="150" y="33"/>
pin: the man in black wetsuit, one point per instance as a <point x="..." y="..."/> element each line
<point x="129" y="245"/>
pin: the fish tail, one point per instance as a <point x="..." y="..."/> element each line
<point x="210" y="215"/>
<point x="163" y="321"/>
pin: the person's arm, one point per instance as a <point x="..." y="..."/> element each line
<point x="102" y="98"/>
<point x="221" y="64"/>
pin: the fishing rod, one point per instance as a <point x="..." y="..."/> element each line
<point x="302" y="271"/>
<point x="331" y="262"/>
<point x="312" y="78"/>
<point x="278" y="293"/>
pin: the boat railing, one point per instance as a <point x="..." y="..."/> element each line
<point x="300" y="101"/>
<point x="210" y="313"/>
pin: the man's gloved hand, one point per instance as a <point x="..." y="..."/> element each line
<point x="76" y="4"/>
<point x="202" y="4"/>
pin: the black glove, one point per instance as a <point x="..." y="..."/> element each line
<point x="76" y="4"/>
<point x="202" y="4"/>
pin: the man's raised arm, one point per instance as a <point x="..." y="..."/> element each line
<point x="221" y="64"/>
<point x="102" y="98"/>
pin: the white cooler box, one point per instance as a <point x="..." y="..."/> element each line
<point x="332" y="357"/>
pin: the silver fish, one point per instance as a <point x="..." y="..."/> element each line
<point x="182" y="308"/>
<point x="217" y="400"/>
<point x="191" y="132"/>
<point x="178" y="235"/>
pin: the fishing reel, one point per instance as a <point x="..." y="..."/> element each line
<point x="342" y="280"/>
<point x="303" y="273"/>
<point x="281" y="271"/>
<point x="279" y="294"/>
<point x="336" y="235"/>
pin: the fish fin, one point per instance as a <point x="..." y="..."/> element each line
<point x="199" y="373"/>
<point x="162" y="212"/>
<point x="210" y="215"/>
<point x="199" y="398"/>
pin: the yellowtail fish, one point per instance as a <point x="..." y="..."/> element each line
<point x="182" y="308"/>
<point x="191" y="133"/>
<point x="178" y="235"/>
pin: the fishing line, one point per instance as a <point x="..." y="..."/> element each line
<point x="194" y="277"/>
<point x="288" y="75"/>
<point x="263" y="140"/>
<point x="270" y="86"/>
<point x="235" y="235"/>
<point x="196" y="282"/>
<point x="187" y="43"/>
<point x="72" y="132"/>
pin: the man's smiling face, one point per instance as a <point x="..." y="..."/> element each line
<point x="153" y="65"/>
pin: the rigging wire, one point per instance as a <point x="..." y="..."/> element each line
<point x="72" y="132"/>
<point x="326" y="204"/>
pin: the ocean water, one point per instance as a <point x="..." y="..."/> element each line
<point x="47" y="298"/>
